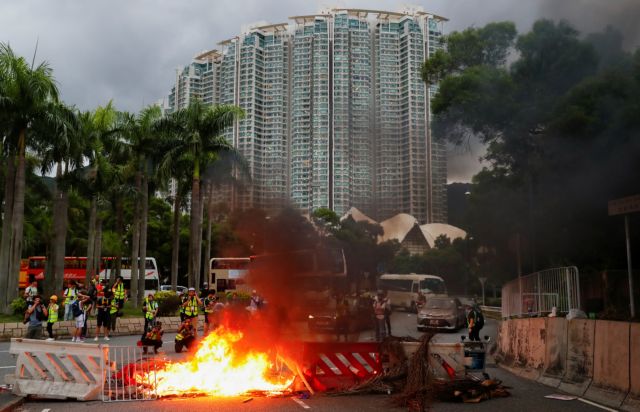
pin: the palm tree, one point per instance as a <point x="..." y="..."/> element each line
<point x="28" y="96"/>
<point x="196" y="132"/>
<point x="63" y="150"/>
<point x="142" y="138"/>
<point x="99" y="177"/>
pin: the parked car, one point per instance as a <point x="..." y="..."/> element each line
<point x="360" y="316"/>
<point x="179" y="289"/>
<point x="442" y="313"/>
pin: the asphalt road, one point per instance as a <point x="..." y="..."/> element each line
<point x="526" y="395"/>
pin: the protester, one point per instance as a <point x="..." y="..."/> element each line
<point x="191" y="305"/>
<point x="185" y="336"/>
<point x="342" y="319"/>
<point x="209" y="303"/>
<point x="256" y="301"/>
<point x="34" y="316"/>
<point x="70" y="295"/>
<point x="379" y="309"/>
<point x="153" y="338"/>
<point x="119" y="292"/>
<point x="150" y="310"/>
<point x="52" y="316"/>
<point x="103" y="308"/>
<point x="475" y="320"/>
<point x="30" y="292"/>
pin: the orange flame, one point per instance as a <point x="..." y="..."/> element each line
<point x="216" y="369"/>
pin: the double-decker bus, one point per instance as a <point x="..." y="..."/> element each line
<point x="75" y="269"/>
<point x="228" y="273"/>
<point x="151" y="274"/>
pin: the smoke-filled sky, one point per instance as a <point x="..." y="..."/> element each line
<point x="127" y="50"/>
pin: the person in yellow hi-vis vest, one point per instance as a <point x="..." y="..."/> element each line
<point x="113" y="313"/>
<point x="191" y="305"/>
<point x="53" y="315"/>
<point x="150" y="311"/>
<point x="119" y="292"/>
<point x="70" y="295"/>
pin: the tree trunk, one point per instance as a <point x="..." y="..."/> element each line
<point x="194" y="246"/>
<point x="97" y="250"/>
<point x="91" y="241"/>
<point x="120" y="233"/>
<point x="5" y="246"/>
<point x="135" y="244"/>
<point x="143" y="237"/>
<point x="198" y="272"/>
<point x="17" y="222"/>
<point x="54" y="281"/>
<point x="207" y="250"/>
<point x="175" y="252"/>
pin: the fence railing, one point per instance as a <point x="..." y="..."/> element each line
<point x="539" y="292"/>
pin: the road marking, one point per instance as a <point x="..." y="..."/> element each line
<point x="46" y="410"/>
<point x="299" y="402"/>
<point x="596" y="405"/>
<point x="6" y="367"/>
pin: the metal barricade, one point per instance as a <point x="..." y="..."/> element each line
<point x="130" y="375"/>
<point x="539" y="292"/>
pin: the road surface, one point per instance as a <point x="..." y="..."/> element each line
<point x="526" y="395"/>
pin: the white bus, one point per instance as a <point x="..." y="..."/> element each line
<point x="151" y="274"/>
<point x="228" y="274"/>
<point x="403" y="290"/>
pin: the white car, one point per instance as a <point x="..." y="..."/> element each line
<point x="179" y="289"/>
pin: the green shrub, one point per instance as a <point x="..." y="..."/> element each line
<point x="168" y="303"/>
<point x="19" y="306"/>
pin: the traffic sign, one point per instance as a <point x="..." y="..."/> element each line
<point x="624" y="205"/>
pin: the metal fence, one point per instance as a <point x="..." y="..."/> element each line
<point x="130" y="375"/>
<point x="536" y="294"/>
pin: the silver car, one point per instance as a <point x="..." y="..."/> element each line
<point x="442" y="313"/>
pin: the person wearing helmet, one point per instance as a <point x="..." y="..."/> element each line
<point x="53" y="315"/>
<point x="191" y="305"/>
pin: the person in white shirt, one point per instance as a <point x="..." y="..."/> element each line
<point x="30" y="292"/>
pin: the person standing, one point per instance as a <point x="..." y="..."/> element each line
<point x="70" y="295"/>
<point x="119" y="292"/>
<point x="183" y="299"/>
<point x="475" y="321"/>
<point x="103" y="316"/>
<point x="34" y="316"/>
<point x="52" y="316"/>
<point x="342" y="319"/>
<point x="191" y="306"/>
<point x="30" y="292"/>
<point x="113" y="312"/>
<point x="87" y="307"/>
<point x="379" y="310"/>
<point x="150" y="310"/>
<point x="78" y="309"/>
<point x="256" y="301"/>
<point x="209" y="303"/>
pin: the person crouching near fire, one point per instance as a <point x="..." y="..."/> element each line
<point x="186" y="336"/>
<point x="153" y="338"/>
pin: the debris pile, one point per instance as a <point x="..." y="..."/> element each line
<point x="415" y="385"/>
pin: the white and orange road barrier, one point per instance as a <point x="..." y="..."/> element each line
<point x="58" y="369"/>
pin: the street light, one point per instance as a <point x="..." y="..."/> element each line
<point x="482" y="280"/>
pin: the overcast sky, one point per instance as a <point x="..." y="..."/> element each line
<point x="128" y="50"/>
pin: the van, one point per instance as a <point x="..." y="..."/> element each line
<point x="402" y="290"/>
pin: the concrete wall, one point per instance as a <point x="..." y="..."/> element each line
<point x="125" y="326"/>
<point x="599" y="360"/>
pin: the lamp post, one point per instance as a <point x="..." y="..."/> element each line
<point x="482" y="280"/>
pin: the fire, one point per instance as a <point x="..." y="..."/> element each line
<point x="217" y="369"/>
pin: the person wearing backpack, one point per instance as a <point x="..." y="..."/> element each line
<point x="475" y="320"/>
<point x="34" y="316"/>
<point x="77" y="309"/>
